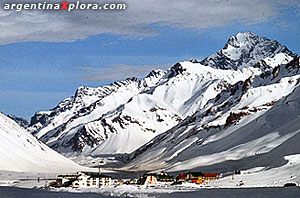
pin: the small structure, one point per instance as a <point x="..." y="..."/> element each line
<point x="91" y="180"/>
<point x="237" y="172"/>
<point x="132" y="181"/>
<point x="118" y="182"/>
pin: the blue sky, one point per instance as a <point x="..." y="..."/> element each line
<point x="41" y="64"/>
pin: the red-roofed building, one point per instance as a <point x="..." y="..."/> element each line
<point x="197" y="177"/>
<point x="181" y="177"/>
<point x="210" y="176"/>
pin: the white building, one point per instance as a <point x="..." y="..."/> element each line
<point x="151" y="180"/>
<point x="91" y="180"/>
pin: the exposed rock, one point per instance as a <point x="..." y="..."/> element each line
<point x="234" y="117"/>
<point x="21" y="121"/>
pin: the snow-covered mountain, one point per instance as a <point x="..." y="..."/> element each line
<point x="22" y="152"/>
<point x="243" y="50"/>
<point x="253" y="123"/>
<point x="243" y="80"/>
<point x="98" y="117"/>
<point x="244" y="140"/>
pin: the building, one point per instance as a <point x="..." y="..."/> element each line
<point x="91" y="180"/>
<point x="163" y="177"/>
<point x="156" y="179"/>
<point x="197" y="177"/>
<point x="148" y="180"/>
<point x="211" y="176"/>
<point x="181" y="177"/>
<point x="65" y="180"/>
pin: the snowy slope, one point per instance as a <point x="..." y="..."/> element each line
<point x="246" y="126"/>
<point x="123" y="116"/>
<point x="21" y="152"/>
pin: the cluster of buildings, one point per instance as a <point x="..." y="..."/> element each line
<point x="97" y="180"/>
<point x="84" y="180"/>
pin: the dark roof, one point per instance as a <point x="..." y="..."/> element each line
<point x="95" y="175"/>
<point x="100" y="176"/>
<point x="211" y="174"/>
<point x="149" y="174"/>
<point x="165" y="176"/>
<point x="67" y="175"/>
<point x="196" y="174"/>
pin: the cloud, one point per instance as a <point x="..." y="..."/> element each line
<point x="140" y="19"/>
<point x="110" y="43"/>
<point x="118" y="72"/>
<point x="290" y="3"/>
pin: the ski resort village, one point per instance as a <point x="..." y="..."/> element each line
<point x="98" y="180"/>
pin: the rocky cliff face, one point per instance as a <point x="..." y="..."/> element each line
<point x="21" y="121"/>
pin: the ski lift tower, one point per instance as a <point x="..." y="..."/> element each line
<point x="99" y="167"/>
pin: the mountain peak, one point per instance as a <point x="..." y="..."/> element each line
<point x="243" y="38"/>
<point x="244" y="49"/>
